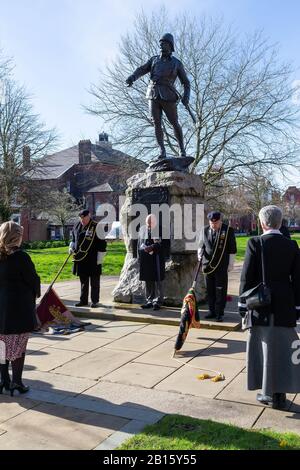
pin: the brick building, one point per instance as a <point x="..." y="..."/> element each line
<point x="92" y="173"/>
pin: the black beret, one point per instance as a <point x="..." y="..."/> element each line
<point x="214" y="216"/>
<point x="84" y="212"/>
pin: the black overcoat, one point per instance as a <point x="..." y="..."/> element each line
<point x="19" y="287"/>
<point x="282" y="268"/>
<point x="206" y="242"/>
<point x="152" y="266"/>
<point x="87" y="266"/>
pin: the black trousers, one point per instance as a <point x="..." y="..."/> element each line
<point x="156" y="108"/>
<point x="94" y="280"/>
<point x="216" y="285"/>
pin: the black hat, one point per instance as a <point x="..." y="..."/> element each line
<point x="214" y="216"/>
<point x="169" y="38"/>
<point x="84" y="213"/>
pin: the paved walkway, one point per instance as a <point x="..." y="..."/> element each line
<point x="93" y="389"/>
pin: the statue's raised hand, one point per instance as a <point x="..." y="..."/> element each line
<point x="130" y="80"/>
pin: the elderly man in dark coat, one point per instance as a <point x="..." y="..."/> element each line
<point x="152" y="263"/>
<point x="88" y="251"/>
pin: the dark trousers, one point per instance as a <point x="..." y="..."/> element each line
<point x="94" y="279"/>
<point x="154" y="292"/>
<point x="170" y="109"/>
<point x="216" y="285"/>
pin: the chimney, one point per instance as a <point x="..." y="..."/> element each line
<point x="26" y="157"/>
<point x="104" y="141"/>
<point x="85" y="151"/>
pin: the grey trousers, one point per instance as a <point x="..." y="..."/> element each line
<point x="154" y="292"/>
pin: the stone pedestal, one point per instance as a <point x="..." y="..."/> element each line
<point x="186" y="192"/>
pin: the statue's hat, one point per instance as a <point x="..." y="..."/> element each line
<point x="169" y="38"/>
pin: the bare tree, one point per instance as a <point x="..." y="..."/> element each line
<point x="241" y="96"/>
<point x="63" y="207"/>
<point x="19" y="128"/>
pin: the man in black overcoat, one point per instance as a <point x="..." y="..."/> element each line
<point x="152" y="263"/>
<point x="88" y="251"/>
<point x="218" y="243"/>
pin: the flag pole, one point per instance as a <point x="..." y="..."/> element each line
<point x="60" y="270"/>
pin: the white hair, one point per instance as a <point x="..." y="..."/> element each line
<point x="271" y="216"/>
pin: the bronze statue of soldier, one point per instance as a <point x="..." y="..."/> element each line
<point x="161" y="92"/>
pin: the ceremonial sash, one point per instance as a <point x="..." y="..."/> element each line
<point x="86" y="243"/>
<point x="218" y="253"/>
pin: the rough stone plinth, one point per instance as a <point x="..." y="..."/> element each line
<point x="185" y="190"/>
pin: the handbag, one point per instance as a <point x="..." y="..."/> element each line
<point x="260" y="295"/>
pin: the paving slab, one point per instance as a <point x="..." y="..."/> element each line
<point x="116" y="329"/>
<point x="163" y="354"/>
<point x="97" y="363"/>
<point x="83" y="343"/>
<point x="185" y="379"/>
<point x="144" y="375"/>
<point x="283" y="421"/>
<point x="51" y="382"/>
<point x="230" y="349"/>
<point x="165" y="330"/>
<point x="49" y="358"/>
<point x="31" y="347"/>
<point x="10" y="408"/>
<point x="49" y="340"/>
<point x="55" y="427"/>
<point x="237" y="391"/>
<point x="144" y="399"/>
<point x="202" y="335"/>
<point x="138" y="342"/>
<point x="99" y="405"/>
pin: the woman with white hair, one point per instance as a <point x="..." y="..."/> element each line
<point x="19" y="287"/>
<point x="272" y="364"/>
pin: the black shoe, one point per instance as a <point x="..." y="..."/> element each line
<point x="81" y="304"/>
<point x="279" y="401"/>
<point x="264" y="399"/>
<point x="210" y="315"/>
<point x="147" y="305"/>
<point x="20" y="387"/>
<point x="4" y="385"/>
<point x="156" y="306"/>
<point x="219" y="318"/>
<point x="94" y="305"/>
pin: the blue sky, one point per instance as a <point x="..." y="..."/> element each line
<point x="59" y="45"/>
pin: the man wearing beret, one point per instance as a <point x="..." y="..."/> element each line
<point x="218" y="244"/>
<point x="88" y="251"/>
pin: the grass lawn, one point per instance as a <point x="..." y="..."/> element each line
<point x="49" y="260"/>
<point x="176" y="432"/>
<point x="242" y="243"/>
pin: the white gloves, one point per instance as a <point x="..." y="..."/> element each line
<point x="71" y="248"/>
<point x="100" y="257"/>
